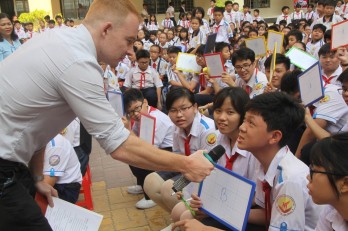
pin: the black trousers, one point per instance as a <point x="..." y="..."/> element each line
<point x="68" y="192"/>
<point x="18" y="209"/>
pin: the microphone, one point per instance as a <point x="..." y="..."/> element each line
<point x="212" y="156"/>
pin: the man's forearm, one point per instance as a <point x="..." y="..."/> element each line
<point x="36" y="163"/>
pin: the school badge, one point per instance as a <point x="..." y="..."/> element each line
<point x="211" y="139"/>
<point x="54" y="160"/>
<point x="325" y="99"/>
<point x="285" y="204"/>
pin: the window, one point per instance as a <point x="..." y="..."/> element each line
<point x="21" y="6"/>
<point x="160" y="6"/>
<point x="75" y="9"/>
<point x="253" y="4"/>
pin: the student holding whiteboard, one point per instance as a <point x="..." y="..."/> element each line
<point x="282" y="199"/>
<point x="229" y="114"/>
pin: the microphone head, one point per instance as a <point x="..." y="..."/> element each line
<point x="217" y="152"/>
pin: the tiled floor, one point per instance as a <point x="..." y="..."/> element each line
<point x="110" y="198"/>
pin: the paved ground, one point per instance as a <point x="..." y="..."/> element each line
<point x="110" y="198"/>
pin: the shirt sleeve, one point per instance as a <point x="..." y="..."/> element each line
<point x="156" y="79"/>
<point x="128" y="79"/>
<point x="82" y="87"/>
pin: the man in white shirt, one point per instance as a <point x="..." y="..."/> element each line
<point x="53" y="91"/>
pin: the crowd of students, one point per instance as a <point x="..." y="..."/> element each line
<point x="268" y="136"/>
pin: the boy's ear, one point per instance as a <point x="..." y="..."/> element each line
<point x="344" y="185"/>
<point x="276" y="137"/>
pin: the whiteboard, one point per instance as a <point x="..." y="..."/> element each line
<point x="147" y="128"/>
<point x="116" y="101"/>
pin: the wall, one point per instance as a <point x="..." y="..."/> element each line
<point x="51" y="6"/>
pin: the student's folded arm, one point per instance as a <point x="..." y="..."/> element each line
<point x="257" y="216"/>
<point x="317" y="130"/>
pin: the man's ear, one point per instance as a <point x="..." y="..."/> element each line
<point x="105" y="28"/>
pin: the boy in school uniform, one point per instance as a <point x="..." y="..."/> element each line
<point x="256" y="15"/>
<point x="297" y="14"/>
<point x="135" y="105"/>
<point x="237" y="15"/>
<point x="156" y="62"/>
<point x="284" y="16"/>
<point x="162" y="41"/>
<point x="282" y="199"/>
<point x="60" y="24"/>
<point x="146" y="79"/>
<point x="344" y="9"/>
<point x="221" y="27"/>
<point x="246" y="16"/>
<point x="329" y="17"/>
<point x="330" y="64"/>
<point x="210" y="12"/>
<point x="310" y="13"/>
<point x="317" y="40"/>
<point x="167" y="23"/>
<point x="229" y="17"/>
<point x="282" y="65"/>
<point x="249" y="77"/>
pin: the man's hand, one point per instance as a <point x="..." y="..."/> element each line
<point x="47" y="190"/>
<point x="198" y="167"/>
<point x="189" y="225"/>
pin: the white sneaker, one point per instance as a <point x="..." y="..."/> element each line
<point x="135" y="189"/>
<point x="145" y="204"/>
<point x="168" y="228"/>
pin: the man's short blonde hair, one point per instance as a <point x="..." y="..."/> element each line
<point x="110" y="10"/>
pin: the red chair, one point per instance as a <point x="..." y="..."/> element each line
<point x="86" y="191"/>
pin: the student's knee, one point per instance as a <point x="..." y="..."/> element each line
<point x="186" y="215"/>
<point x="153" y="183"/>
<point x="166" y="189"/>
<point x="177" y="211"/>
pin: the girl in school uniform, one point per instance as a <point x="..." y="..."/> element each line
<point x="192" y="132"/>
<point x="198" y="37"/>
<point x="229" y="114"/>
<point x="183" y="39"/>
<point x="328" y="181"/>
<point x="183" y="22"/>
<point x="152" y="25"/>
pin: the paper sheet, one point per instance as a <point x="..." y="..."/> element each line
<point x="258" y="45"/>
<point x="300" y="58"/>
<point x="210" y="44"/>
<point x="187" y="62"/>
<point x="339" y="35"/>
<point x="275" y="37"/>
<point x="214" y="64"/>
<point x="311" y="85"/>
<point x="116" y="101"/>
<point x="147" y="128"/>
<point x="227" y="197"/>
<point x="65" y="216"/>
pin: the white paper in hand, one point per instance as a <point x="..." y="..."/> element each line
<point x="275" y="37"/>
<point x="66" y="216"/>
<point x="258" y="45"/>
<point x="339" y="36"/>
<point x="116" y="101"/>
<point x="214" y="64"/>
<point x="187" y="62"/>
<point x="147" y="128"/>
<point x="311" y="85"/>
<point x="300" y="58"/>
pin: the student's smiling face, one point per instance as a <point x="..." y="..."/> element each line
<point x="227" y="118"/>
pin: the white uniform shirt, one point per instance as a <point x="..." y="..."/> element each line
<point x="328" y="24"/>
<point x="147" y="44"/>
<point x="52" y="92"/>
<point x="72" y="132"/>
<point x="258" y="18"/>
<point x="174" y="77"/>
<point x="297" y="16"/>
<point x="330" y="219"/>
<point x="283" y="17"/>
<point x="122" y="70"/>
<point x="160" y="64"/>
<point x="292" y="206"/>
<point x="309" y="15"/>
<point x="20" y="33"/>
<point x="243" y="165"/>
<point x="246" y="17"/>
<point x="344" y="9"/>
<point x="313" y="48"/>
<point x="167" y="23"/>
<point x="164" y="128"/>
<point x="111" y="78"/>
<point x="61" y="161"/>
<point x="151" y="26"/>
<point x="134" y="80"/>
<point x="171" y="11"/>
<point x="257" y="83"/>
<point x="184" y="23"/>
<point x="210" y="13"/>
<point x="224" y="32"/>
<point x="335" y="76"/>
<point x="333" y="109"/>
<point x="199" y="39"/>
<point x="203" y="135"/>
<point x="229" y="70"/>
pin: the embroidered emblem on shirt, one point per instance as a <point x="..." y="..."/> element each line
<point x="54" y="160"/>
<point x="258" y="86"/>
<point x="211" y="139"/>
<point x="285" y="204"/>
<point x="325" y="99"/>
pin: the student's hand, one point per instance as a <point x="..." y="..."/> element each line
<point x="228" y="79"/>
<point x="198" y="167"/>
<point x="189" y="225"/>
<point x="126" y="122"/>
<point x="179" y="195"/>
<point x="207" y="77"/>
<point x="196" y="202"/>
<point x="47" y="190"/>
<point x="342" y="55"/>
<point x="269" y="88"/>
<point x="174" y="67"/>
<point x="159" y="105"/>
<point x="308" y="116"/>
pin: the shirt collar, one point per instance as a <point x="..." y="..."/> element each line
<point x="137" y="70"/>
<point x="88" y="39"/>
<point x="337" y="72"/>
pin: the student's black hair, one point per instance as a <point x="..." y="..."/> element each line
<point x="311" y="5"/>
<point x="343" y="76"/>
<point x="320" y="27"/>
<point x="30" y="23"/>
<point x="219" y="9"/>
<point x="243" y="54"/>
<point x="327" y="35"/>
<point x="13" y="35"/>
<point x="198" y="9"/>
<point x="171" y="4"/>
<point x="257" y="10"/>
<point x="283" y="22"/>
<point x="220" y="46"/>
<point x="228" y="2"/>
<point x="142" y="54"/>
<point x="279" y="111"/>
<point x="139" y="40"/>
<point x="321" y="2"/>
<point x="71" y="21"/>
<point x="325" y="50"/>
<point x="181" y="15"/>
<point x="15" y="22"/>
<point x="235" y="3"/>
<point x="244" y="23"/>
<point x="187" y="34"/>
<point x="51" y="21"/>
<point x="200" y="50"/>
<point x="280" y="58"/>
<point x="303" y="45"/>
<point x="152" y="15"/>
<point x="330" y="3"/>
<point x="253" y="30"/>
<point x="159" y="48"/>
<point x="132" y="95"/>
<point x="239" y="98"/>
<point x="213" y="1"/>
<point x="289" y="83"/>
<point x="246" y="6"/>
<point x="47" y="17"/>
<point x="58" y="16"/>
<point x="178" y="93"/>
<point x="285" y="7"/>
<point x="274" y="28"/>
<point x="297" y="34"/>
<point x="331" y="154"/>
<point x="173" y="49"/>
